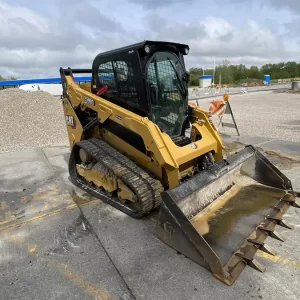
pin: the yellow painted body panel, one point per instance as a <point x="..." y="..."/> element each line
<point x="86" y="86"/>
<point x="74" y="133"/>
<point x="166" y="160"/>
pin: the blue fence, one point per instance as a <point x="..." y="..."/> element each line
<point x="41" y="80"/>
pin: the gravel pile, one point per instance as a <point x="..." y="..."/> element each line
<point x="30" y="119"/>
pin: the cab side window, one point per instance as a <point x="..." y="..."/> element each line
<point x="119" y="77"/>
<point x="106" y="77"/>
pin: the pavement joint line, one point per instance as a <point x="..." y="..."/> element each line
<point x="44" y="154"/>
<point x="106" y="252"/>
<point x="19" y="224"/>
<point x="55" y="155"/>
<point x="56" y="146"/>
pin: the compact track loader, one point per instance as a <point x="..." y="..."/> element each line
<point x="137" y="144"/>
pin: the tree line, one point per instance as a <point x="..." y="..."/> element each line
<point x="226" y="73"/>
<point x="8" y="78"/>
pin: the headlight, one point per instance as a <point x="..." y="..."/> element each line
<point x="147" y="49"/>
<point x="186" y="51"/>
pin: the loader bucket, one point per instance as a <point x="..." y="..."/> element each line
<point x="221" y="217"/>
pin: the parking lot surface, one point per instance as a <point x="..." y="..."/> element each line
<point x="59" y="243"/>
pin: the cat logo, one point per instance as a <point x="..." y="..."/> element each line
<point x="70" y="121"/>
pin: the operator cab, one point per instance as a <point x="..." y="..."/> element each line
<point x="149" y="79"/>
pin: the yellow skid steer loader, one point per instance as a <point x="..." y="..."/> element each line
<point x="137" y="144"/>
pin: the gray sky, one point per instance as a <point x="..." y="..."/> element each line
<point x="37" y="38"/>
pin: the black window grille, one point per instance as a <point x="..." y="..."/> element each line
<point x="120" y="80"/>
<point x="168" y="109"/>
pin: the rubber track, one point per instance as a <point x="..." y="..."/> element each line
<point x="146" y="188"/>
<point x="153" y="184"/>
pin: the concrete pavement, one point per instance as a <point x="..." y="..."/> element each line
<point x="265" y="114"/>
<point x="48" y="249"/>
<point x="57" y="242"/>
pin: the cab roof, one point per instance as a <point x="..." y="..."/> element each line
<point x="141" y="45"/>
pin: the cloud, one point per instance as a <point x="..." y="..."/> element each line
<point x="45" y="58"/>
<point x="159" y="27"/>
<point x="90" y="16"/>
<point x="292" y="5"/>
<point x="23" y="28"/>
<point x="157" y="4"/>
<point x="216" y="37"/>
<point x="38" y="39"/>
<point x="31" y="40"/>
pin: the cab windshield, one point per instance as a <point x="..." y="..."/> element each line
<point x="168" y="92"/>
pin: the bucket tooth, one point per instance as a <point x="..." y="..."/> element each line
<point x="276" y="215"/>
<point x="292" y="199"/>
<point x="263" y="247"/>
<point x="296" y="203"/>
<point x="249" y="259"/>
<point x="269" y="228"/>
<point x="276" y="235"/>
<point x="268" y="249"/>
<point x="280" y="222"/>
<point x="289" y="197"/>
<point x="272" y="233"/>
<point x="255" y="264"/>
